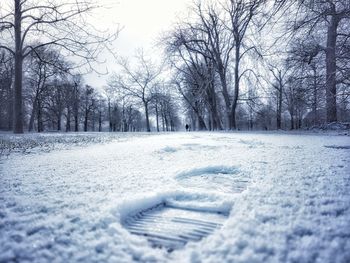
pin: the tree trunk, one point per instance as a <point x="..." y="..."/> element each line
<point x="99" y="121"/>
<point x="76" y="122"/>
<point x="163" y="118"/>
<point x="125" y="126"/>
<point x="93" y="120"/>
<point x="279" y="108"/>
<point x="331" y="89"/>
<point x="32" y="116"/>
<point x="314" y="104"/>
<point x="201" y="123"/>
<point x="76" y="108"/>
<point x="10" y="114"/>
<point x="18" y="107"/>
<point x="86" y="120"/>
<point x="210" y="124"/>
<point x="68" y="120"/>
<point x="109" y="115"/>
<point x="215" y="119"/>
<point x="232" y="124"/>
<point x="147" y="117"/>
<point x="166" y="122"/>
<point x="59" y="107"/>
<point x="59" y="120"/>
<point x="226" y="95"/>
<point x="9" y="97"/>
<point x="157" y="117"/>
<point x="172" y="125"/>
<point x="40" y="118"/>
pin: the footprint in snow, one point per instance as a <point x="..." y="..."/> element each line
<point x="217" y="178"/>
<point x="173" y="223"/>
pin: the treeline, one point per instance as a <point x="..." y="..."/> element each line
<point x="56" y="99"/>
<point x="263" y="64"/>
<point x="40" y="89"/>
<point x="230" y="64"/>
<point x="142" y="83"/>
<point x="43" y="34"/>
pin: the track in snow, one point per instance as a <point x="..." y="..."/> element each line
<point x="173" y="225"/>
<point x="215" y="178"/>
<point x="170" y="227"/>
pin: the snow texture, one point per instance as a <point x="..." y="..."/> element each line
<point x="68" y="204"/>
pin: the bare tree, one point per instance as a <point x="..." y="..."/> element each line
<point x="219" y="44"/>
<point x="241" y="15"/>
<point x="88" y="105"/>
<point x="165" y="108"/>
<point x="189" y="84"/>
<point x="112" y="107"/>
<point x="194" y="76"/>
<point x="332" y="18"/>
<point x="307" y="64"/>
<point x="6" y="90"/>
<point x="42" y="68"/>
<point x="138" y="82"/>
<point x="278" y="83"/>
<point x="55" y="23"/>
<point x="219" y="37"/>
<point x="77" y="90"/>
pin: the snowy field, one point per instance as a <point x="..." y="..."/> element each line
<point x="286" y="196"/>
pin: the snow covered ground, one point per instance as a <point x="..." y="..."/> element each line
<point x="287" y="195"/>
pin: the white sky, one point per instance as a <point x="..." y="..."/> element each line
<point x="142" y="22"/>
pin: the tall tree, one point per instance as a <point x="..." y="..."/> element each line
<point x="6" y="89"/>
<point x="56" y="23"/>
<point x="42" y="69"/>
<point x="279" y="79"/>
<point x="220" y="36"/>
<point x="329" y="18"/>
<point x="139" y="81"/>
<point x="219" y="44"/>
<point x="241" y="15"/>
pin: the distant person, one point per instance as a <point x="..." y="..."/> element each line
<point x="187" y="127"/>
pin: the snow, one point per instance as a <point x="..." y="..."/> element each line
<point x="217" y="178"/>
<point x="192" y="200"/>
<point x="64" y="200"/>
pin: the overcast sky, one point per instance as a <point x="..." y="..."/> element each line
<point x="142" y="21"/>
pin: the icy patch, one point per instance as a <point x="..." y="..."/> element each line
<point x="219" y="178"/>
<point x="177" y="220"/>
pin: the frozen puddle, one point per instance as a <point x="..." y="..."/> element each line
<point x="217" y="178"/>
<point x="171" y="225"/>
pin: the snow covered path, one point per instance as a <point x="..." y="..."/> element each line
<point x="68" y="205"/>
